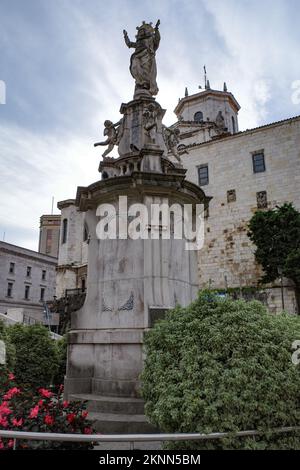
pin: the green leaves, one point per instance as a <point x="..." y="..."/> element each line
<point x="223" y="365"/>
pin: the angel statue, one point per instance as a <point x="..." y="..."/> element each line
<point x="113" y="132"/>
<point x="171" y="138"/>
<point x="142" y="62"/>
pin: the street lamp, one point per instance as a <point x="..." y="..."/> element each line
<point x="280" y="272"/>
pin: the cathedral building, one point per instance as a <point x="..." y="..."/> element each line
<point x="242" y="171"/>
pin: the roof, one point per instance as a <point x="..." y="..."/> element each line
<point x="205" y="93"/>
<point x="21" y="251"/>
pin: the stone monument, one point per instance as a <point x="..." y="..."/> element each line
<point x="131" y="280"/>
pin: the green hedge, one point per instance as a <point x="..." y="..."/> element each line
<point x="37" y="358"/>
<point x="223" y="365"/>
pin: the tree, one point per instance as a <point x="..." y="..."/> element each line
<point x="36" y="355"/>
<point x="223" y="366"/>
<point x="276" y="234"/>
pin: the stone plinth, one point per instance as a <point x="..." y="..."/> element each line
<point x="126" y="278"/>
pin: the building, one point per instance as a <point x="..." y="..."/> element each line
<point x="242" y="172"/>
<point x="27" y="281"/>
<point x="49" y="235"/>
<point x="72" y="258"/>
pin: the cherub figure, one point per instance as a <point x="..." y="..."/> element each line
<point x="112" y="131"/>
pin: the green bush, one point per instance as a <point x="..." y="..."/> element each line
<point x="223" y="366"/>
<point x="10" y="354"/>
<point x="61" y="349"/>
<point x="36" y="355"/>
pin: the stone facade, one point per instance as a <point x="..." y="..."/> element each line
<point x="73" y="249"/>
<point x="227" y="258"/>
<point x="49" y="235"/>
<point x="27" y="280"/>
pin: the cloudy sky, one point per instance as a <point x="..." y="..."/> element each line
<point x="65" y="67"/>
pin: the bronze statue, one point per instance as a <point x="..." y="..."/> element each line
<point x="142" y="62"/>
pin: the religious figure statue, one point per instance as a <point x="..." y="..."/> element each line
<point x="150" y="123"/>
<point x="142" y="62"/>
<point x="220" y="122"/>
<point x="171" y="138"/>
<point x="113" y="133"/>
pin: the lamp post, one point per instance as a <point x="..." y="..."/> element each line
<point x="281" y="286"/>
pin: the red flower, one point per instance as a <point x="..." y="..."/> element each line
<point x="4" y="410"/>
<point x="17" y="423"/>
<point x="45" y="393"/>
<point x="34" y="412"/>
<point x="84" y="414"/>
<point x="49" y="420"/>
<point x="65" y="404"/>
<point x="1" y="444"/>
<point x="71" y="417"/>
<point x="3" y="421"/>
<point x="13" y="391"/>
<point x="40" y="402"/>
<point x="11" y="376"/>
<point x="10" y="443"/>
<point x="88" y="431"/>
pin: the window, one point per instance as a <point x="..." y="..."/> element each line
<point x="203" y="175"/>
<point x="83" y="285"/>
<point x="28" y="271"/>
<point x="42" y="294"/>
<point x="27" y="291"/>
<point x="43" y="274"/>
<point x="49" y="241"/>
<point x="64" y="230"/>
<point x="258" y="162"/>
<point x="12" y="268"/>
<point x="233" y="125"/>
<point x="198" y="116"/>
<point x="85" y="233"/>
<point x="9" y="289"/>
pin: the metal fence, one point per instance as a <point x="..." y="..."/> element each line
<point x="132" y="438"/>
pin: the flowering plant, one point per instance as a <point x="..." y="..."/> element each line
<point x="42" y="411"/>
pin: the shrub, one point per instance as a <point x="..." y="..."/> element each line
<point x="61" y="350"/>
<point x="36" y="355"/>
<point x="44" y="411"/>
<point x="10" y="355"/>
<point x="223" y="366"/>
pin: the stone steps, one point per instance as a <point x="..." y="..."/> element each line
<point x="116" y="415"/>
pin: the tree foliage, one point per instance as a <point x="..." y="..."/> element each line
<point x="276" y="234"/>
<point x="36" y="355"/>
<point x="223" y="365"/>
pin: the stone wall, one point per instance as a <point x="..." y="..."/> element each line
<point x="228" y="255"/>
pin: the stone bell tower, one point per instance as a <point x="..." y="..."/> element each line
<point x="131" y="279"/>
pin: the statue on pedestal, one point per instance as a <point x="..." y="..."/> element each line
<point x="113" y="132"/>
<point x="171" y="138"/>
<point x="142" y="62"/>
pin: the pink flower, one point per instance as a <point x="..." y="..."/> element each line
<point x="3" y="421"/>
<point x="84" y="414"/>
<point x="13" y="391"/>
<point x="17" y="423"/>
<point x="10" y="443"/>
<point x="34" y="412"/>
<point x="88" y="431"/>
<point x="1" y="444"/>
<point x="71" y="417"/>
<point x="40" y="402"/>
<point x="11" y="376"/>
<point x="45" y="393"/>
<point x="49" y="420"/>
<point x="65" y="404"/>
<point x="4" y="410"/>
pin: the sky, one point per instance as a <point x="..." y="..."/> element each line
<point x="64" y="68"/>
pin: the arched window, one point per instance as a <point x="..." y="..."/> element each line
<point x="64" y="231"/>
<point x="233" y="125"/>
<point x="104" y="175"/>
<point x="85" y="233"/>
<point x="198" y="116"/>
